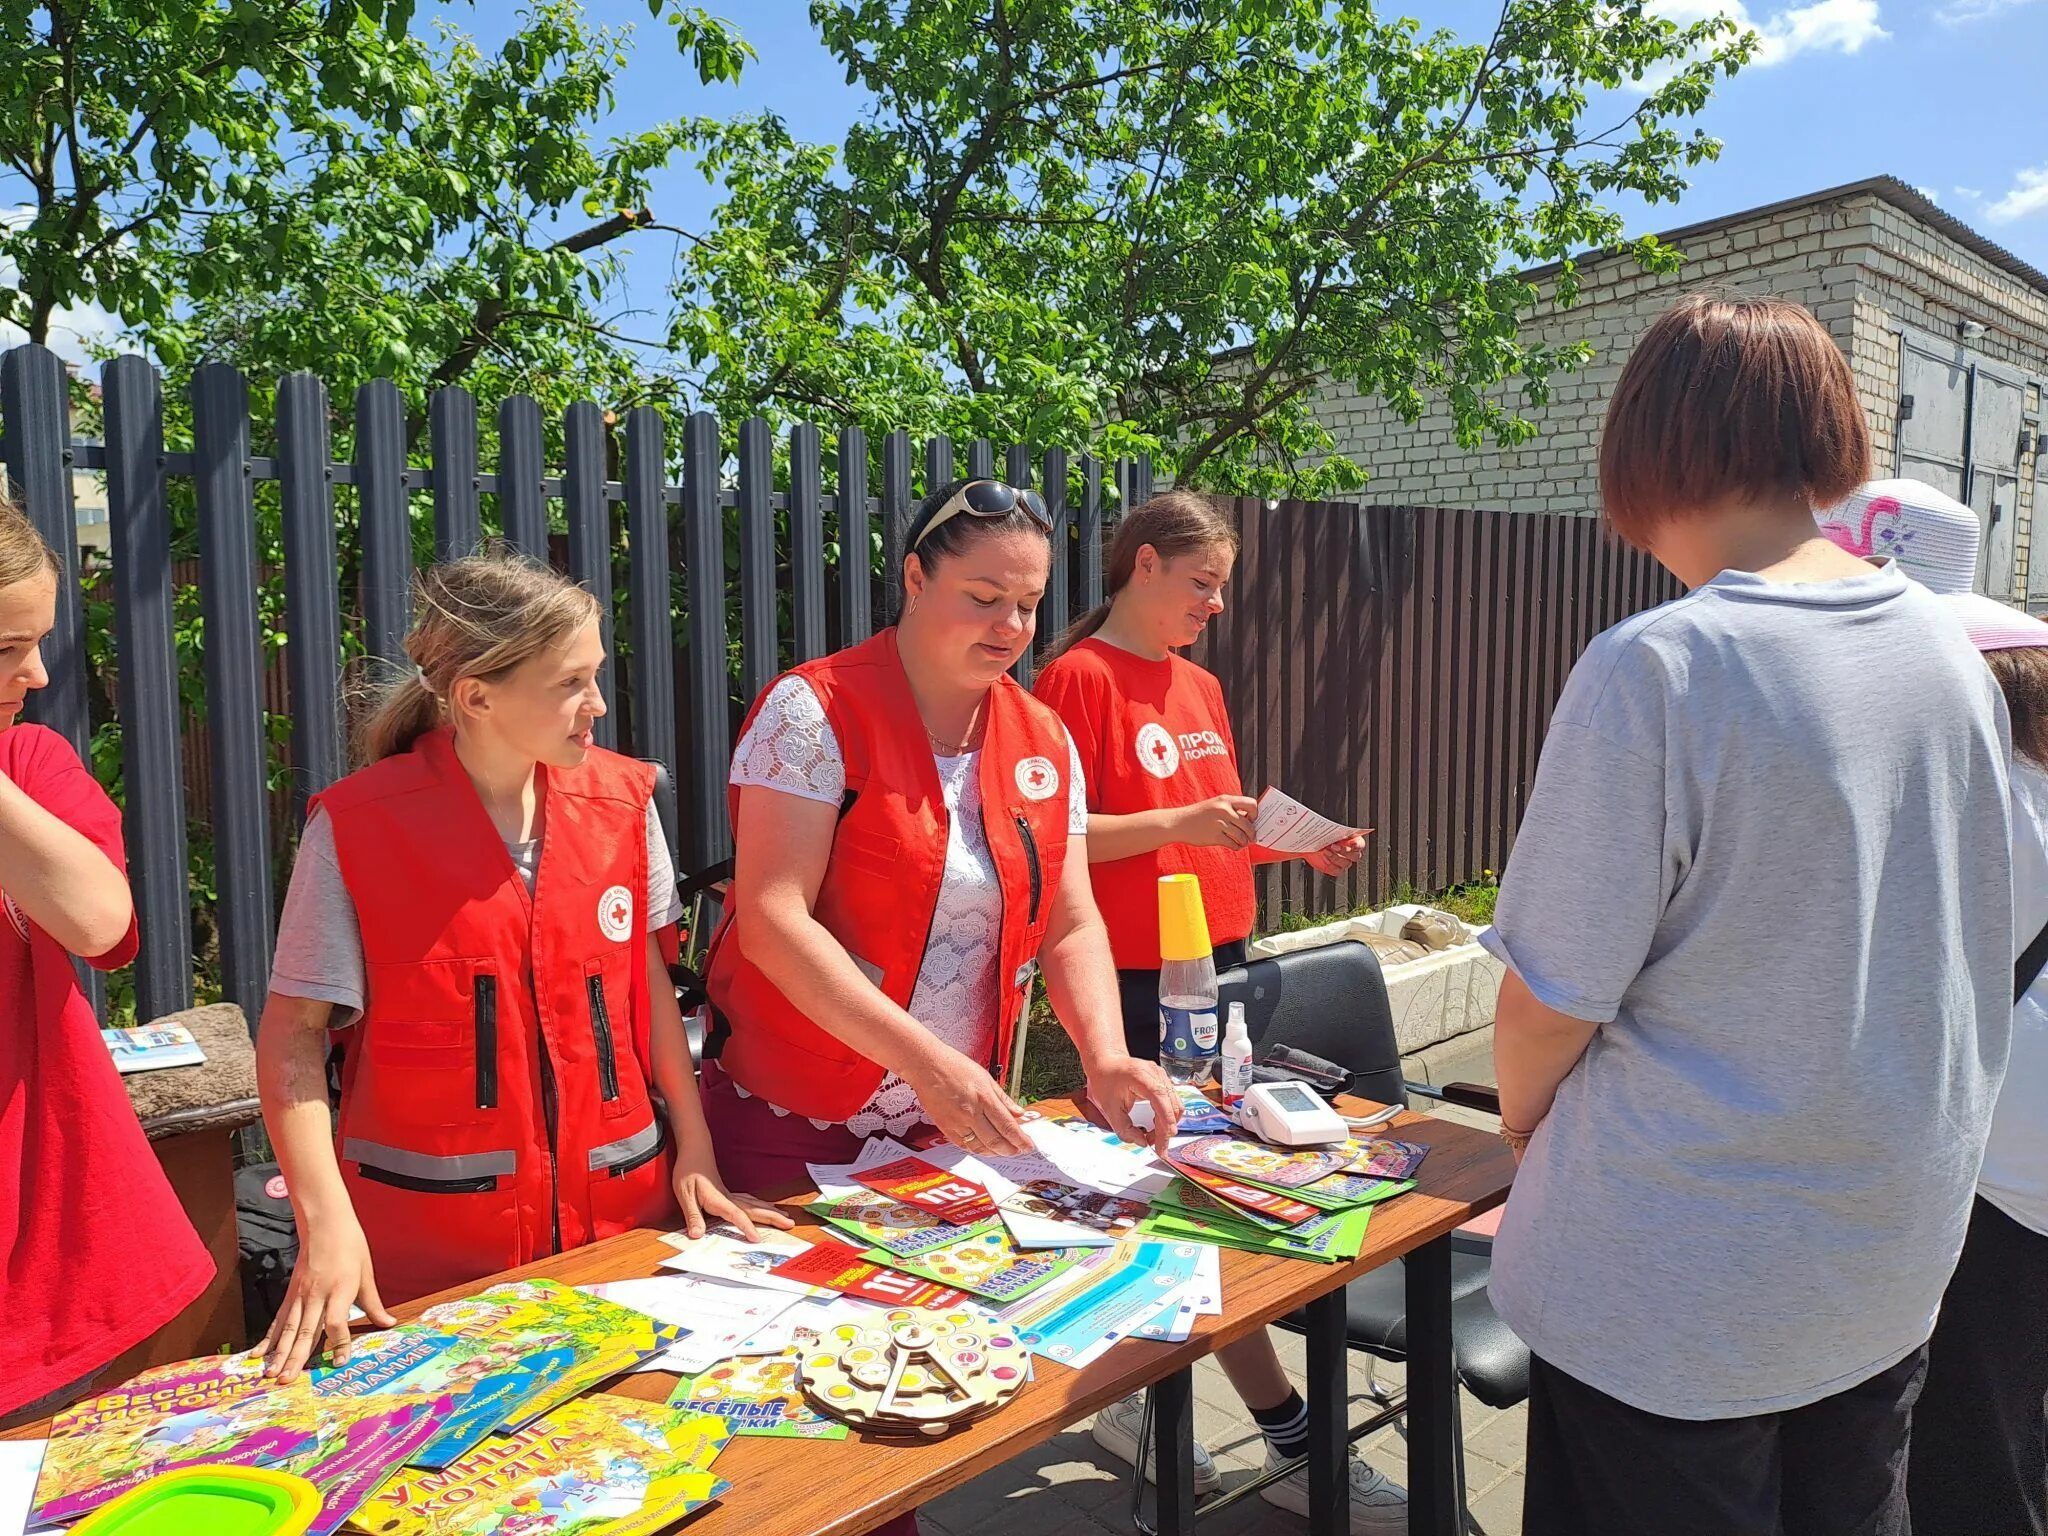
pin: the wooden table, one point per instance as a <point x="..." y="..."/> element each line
<point x="840" y="1488"/>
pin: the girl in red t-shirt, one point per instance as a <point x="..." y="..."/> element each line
<point x="1164" y="797"/>
<point x="99" y="1254"/>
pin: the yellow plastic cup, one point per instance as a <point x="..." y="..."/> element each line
<point x="1183" y="926"/>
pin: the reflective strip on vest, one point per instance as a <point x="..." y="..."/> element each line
<point x="641" y="1144"/>
<point x="425" y="1165"/>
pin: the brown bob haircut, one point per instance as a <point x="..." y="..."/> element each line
<point x="1729" y="399"/>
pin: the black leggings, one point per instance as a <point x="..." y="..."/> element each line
<point x="1978" y="1462"/>
<point x="1140" y="993"/>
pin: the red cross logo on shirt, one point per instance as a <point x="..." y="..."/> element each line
<point x="1158" y="752"/>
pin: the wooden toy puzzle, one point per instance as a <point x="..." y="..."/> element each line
<point x="916" y="1371"/>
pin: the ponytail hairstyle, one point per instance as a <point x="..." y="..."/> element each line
<point x="2022" y="673"/>
<point x="23" y="552"/>
<point x="480" y="616"/>
<point x="1175" y="523"/>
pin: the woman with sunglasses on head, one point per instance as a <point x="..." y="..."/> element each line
<point x="907" y="826"/>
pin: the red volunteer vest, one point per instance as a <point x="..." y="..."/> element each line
<point x="495" y="1102"/>
<point x="881" y="886"/>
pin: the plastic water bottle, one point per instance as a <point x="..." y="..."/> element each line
<point x="1187" y="982"/>
<point x="1236" y="1074"/>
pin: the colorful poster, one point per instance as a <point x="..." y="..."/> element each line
<point x="837" y="1267"/>
<point x="946" y="1195"/>
<point x="599" y="1466"/>
<point x="1239" y="1157"/>
<point x="988" y="1265"/>
<point x="883" y="1222"/>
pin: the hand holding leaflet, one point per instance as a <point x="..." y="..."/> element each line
<point x="1285" y="825"/>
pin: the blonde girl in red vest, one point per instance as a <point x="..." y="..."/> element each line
<point x="1164" y="797"/>
<point x="473" y="915"/>
<point x="99" y="1256"/>
<point x="908" y="827"/>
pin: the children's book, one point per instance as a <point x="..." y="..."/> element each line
<point x="988" y="1265"/>
<point x="896" y="1226"/>
<point x="760" y="1395"/>
<point x="1335" y="1237"/>
<point x="101" y="1448"/>
<point x="510" y="1353"/>
<point x="722" y="1254"/>
<point x="599" y="1466"/>
<point x="145" y="1050"/>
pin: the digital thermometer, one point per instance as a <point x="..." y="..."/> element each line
<point x="1290" y="1115"/>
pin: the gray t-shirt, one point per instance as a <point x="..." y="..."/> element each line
<point x="1768" y="824"/>
<point x="320" y="942"/>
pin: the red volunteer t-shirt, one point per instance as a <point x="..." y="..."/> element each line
<point x="1152" y="734"/>
<point x="99" y="1253"/>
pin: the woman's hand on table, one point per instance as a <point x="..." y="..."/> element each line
<point x="332" y="1275"/>
<point x="705" y="1199"/>
<point x="967" y="1105"/>
<point x="1118" y="1083"/>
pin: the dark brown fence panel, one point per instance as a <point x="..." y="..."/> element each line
<point x="1395" y="667"/>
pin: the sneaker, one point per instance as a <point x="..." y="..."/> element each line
<point x="1116" y="1431"/>
<point x="1379" y="1505"/>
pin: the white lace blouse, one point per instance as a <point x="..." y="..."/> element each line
<point x="791" y="748"/>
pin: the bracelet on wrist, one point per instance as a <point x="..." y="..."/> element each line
<point x="1514" y="1138"/>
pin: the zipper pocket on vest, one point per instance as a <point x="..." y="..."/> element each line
<point x="486" y="988"/>
<point x="1031" y="858"/>
<point x="643" y="1158"/>
<point x="601" y="1031"/>
<point x="474" y="1186"/>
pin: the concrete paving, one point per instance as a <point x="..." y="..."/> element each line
<point x="1071" y="1484"/>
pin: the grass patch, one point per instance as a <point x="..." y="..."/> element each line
<point x="1052" y="1067"/>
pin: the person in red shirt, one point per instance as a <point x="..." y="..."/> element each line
<point x="99" y="1254"/>
<point x="1164" y="797"/>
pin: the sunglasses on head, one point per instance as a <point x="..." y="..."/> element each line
<point x="983" y="498"/>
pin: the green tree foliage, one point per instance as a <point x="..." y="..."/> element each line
<point x="287" y="184"/>
<point x="1166" y="220"/>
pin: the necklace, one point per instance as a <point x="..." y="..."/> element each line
<point x="965" y="744"/>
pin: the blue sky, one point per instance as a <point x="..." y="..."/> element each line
<point x="1946" y="94"/>
<point x="1949" y="95"/>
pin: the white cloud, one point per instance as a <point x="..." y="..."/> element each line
<point x="1956" y="12"/>
<point x="1826" y="26"/>
<point x="74" y="329"/>
<point x="2027" y="195"/>
<point x="1968" y="194"/>
<point x="1929" y="193"/>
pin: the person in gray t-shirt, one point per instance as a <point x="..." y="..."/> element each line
<point x="1754" y="1020"/>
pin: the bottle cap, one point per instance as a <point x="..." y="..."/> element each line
<point x="1183" y="926"/>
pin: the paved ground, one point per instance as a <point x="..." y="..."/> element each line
<point x="1070" y="1484"/>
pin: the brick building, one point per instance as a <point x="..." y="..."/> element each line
<point x="1946" y="333"/>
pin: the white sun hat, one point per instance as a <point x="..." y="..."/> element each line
<point x="1934" y="537"/>
<point x="1992" y="626"/>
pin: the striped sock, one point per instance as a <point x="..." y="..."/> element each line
<point x="1285" y="1427"/>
